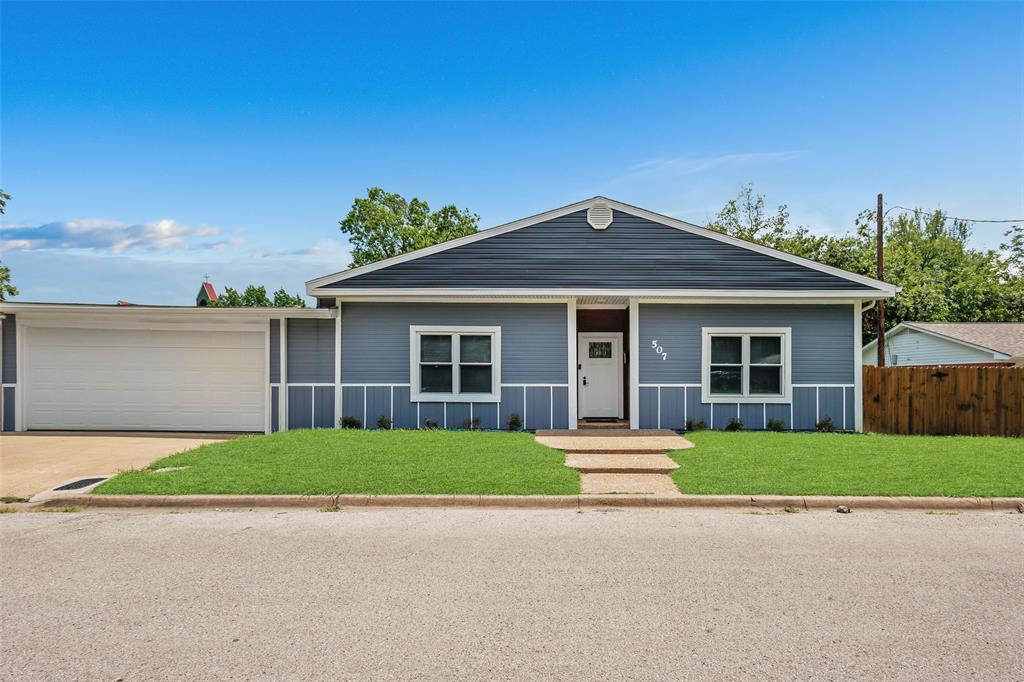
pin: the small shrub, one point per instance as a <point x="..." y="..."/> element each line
<point x="515" y="422"/>
<point x="472" y="424"/>
<point x="775" y="425"/>
<point x="430" y="424"/>
<point x="348" y="422"/>
<point x="695" y="425"/>
<point x="735" y="424"/>
<point x="825" y="425"/>
<point x="384" y="422"/>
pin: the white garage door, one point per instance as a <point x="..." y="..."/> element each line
<point x="100" y="379"/>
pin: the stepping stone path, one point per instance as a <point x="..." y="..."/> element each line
<point x="619" y="461"/>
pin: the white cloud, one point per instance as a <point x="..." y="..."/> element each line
<point x="106" y="236"/>
<point x="154" y="262"/>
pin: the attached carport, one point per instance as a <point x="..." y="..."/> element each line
<point x="139" y="368"/>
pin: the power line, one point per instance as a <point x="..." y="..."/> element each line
<point x="953" y="217"/>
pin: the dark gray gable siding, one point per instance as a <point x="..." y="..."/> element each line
<point x="632" y="253"/>
<point x="275" y="351"/>
<point x="8" y="346"/>
<point x="375" y="338"/>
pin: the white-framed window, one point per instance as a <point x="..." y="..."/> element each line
<point x="455" y="363"/>
<point x="746" y="365"/>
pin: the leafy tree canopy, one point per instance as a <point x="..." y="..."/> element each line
<point x="6" y="288"/>
<point x="256" y="297"/>
<point x="942" y="278"/>
<point x="383" y="224"/>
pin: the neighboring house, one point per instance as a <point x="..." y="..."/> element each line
<point x="950" y="343"/>
<point x="596" y="310"/>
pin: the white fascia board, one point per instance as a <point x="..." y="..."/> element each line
<point x="174" y="312"/>
<point x="883" y="288"/>
<point x="671" y="294"/>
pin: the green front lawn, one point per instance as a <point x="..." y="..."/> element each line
<point x="327" y="461"/>
<point x="759" y="463"/>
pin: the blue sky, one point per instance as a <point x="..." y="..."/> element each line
<point x="149" y="144"/>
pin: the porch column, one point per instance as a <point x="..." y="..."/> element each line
<point x="634" y="363"/>
<point x="282" y="397"/>
<point x="337" y="364"/>
<point x="858" y="369"/>
<point x="573" y="363"/>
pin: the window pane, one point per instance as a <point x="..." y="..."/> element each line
<point x="725" y="380"/>
<point x="474" y="378"/>
<point x="436" y="378"/>
<point x="435" y="348"/>
<point x="766" y="350"/>
<point x="765" y="380"/>
<point x="600" y="349"/>
<point x="726" y="350"/>
<point x="474" y="349"/>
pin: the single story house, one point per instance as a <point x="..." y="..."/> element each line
<point x="950" y="343"/>
<point x="596" y="310"/>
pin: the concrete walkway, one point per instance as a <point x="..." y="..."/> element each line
<point x="619" y="462"/>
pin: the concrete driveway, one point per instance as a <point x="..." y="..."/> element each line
<point x="33" y="462"/>
<point x="434" y="594"/>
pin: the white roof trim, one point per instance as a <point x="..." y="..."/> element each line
<point x="311" y="286"/>
<point x="634" y="293"/>
<point x="127" y="311"/>
<point x="904" y="326"/>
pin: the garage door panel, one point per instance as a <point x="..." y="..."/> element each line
<point x="145" y="380"/>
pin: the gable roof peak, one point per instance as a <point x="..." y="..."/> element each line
<point x="327" y="281"/>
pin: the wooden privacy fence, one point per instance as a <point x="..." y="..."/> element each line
<point x="982" y="401"/>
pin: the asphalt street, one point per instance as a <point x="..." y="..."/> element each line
<point x="503" y="594"/>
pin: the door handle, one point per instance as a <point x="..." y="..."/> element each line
<point x="584" y="381"/>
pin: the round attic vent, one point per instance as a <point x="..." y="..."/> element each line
<point x="599" y="216"/>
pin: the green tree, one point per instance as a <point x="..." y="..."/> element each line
<point x="256" y="297"/>
<point x="383" y="224"/>
<point x="6" y="288"/>
<point x="942" y="278"/>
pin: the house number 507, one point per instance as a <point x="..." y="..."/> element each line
<point x="659" y="350"/>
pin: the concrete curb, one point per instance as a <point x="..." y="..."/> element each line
<point x="765" y="502"/>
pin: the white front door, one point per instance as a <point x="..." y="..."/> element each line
<point x="600" y="375"/>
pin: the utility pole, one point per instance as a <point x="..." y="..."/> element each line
<point x="879" y="217"/>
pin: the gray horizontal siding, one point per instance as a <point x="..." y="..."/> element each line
<point x="375" y="338"/>
<point x="310" y="351"/>
<point x="822" y="338"/>
<point x="633" y="252"/>
<point x="9" y="349"/>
